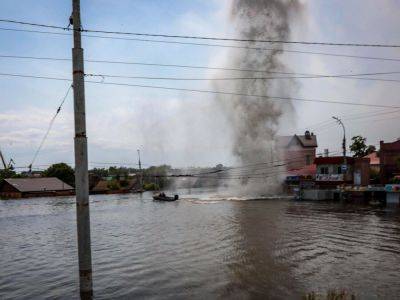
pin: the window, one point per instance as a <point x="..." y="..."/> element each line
<point x="308" y="160"/>
<point x="324" y="170"/>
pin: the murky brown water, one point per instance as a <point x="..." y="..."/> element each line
<point x="200" y="247"/>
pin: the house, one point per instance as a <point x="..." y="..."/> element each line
<point x="298" y="151"/>
<point x="34" y="187"/>
<point x="330" y="171"/>
<point x="101" y="187"/>
<point x="389" y="154"/>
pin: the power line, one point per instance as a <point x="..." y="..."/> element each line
<point x="329" y="121"/>
<point x="262" y="165"/>
<point x="342" y="76"/>
<point x="272" y="41"/>
<point x="303" y="75"/>
<point x="49" y="127"/>
<point x="209" y="45"/>
<point x="277" y="98"/>
<point x="331" y="124"/>
<point x="245" y="95"/>
<point x="35" y="77"/>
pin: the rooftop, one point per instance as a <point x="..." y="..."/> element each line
<point x="374" y="158"/>
<point x="306" y="140"/>
<point x="38" y="184"/>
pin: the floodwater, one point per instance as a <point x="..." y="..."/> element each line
<point x="200" y="247"/>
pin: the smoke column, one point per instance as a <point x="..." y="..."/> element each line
<point x="255" y="121"/>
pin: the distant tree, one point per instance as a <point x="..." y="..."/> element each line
<point x="62" y="171"/>
<point x="114" y="185"/>
<point x="6" y="173"/>
<point x="151" y="186"/>
<point x="100" y="172"/>
<point x="370" y="149"/>
<point x="118" y="171"/>
<point x="157" y="175"/>
<point x="359" y="147"/>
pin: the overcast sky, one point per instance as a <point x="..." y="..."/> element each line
<point x="183" y="128"/>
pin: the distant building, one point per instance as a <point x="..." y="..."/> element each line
<point x="330" y="172"/>
<point x="298" y="151"/>
<point x="34" y="187"/>
<point x="374" y="164"/>
<point x="389" y="154"/>
<point x="32" y="174"/>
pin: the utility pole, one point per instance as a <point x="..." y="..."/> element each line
<point x="81" y="160"/>
<point x="343" y="145"/>
<point x="140" y="170"/>
<point x="3" y="161"/>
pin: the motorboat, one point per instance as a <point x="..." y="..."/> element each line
<point x="163" y="197"/>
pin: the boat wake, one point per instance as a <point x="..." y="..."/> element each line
<point x="219" y="198"/>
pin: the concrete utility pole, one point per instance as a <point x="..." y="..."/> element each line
<point x="3" y="161"/>
<point x="81" y="160"/>
<point x="343" y="144"/>
<point x="141" y="173"/>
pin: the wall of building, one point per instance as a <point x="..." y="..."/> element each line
<point x="334" y="173"/>
<point x="8" y="191"/>
<point x="12" y="195"/>
<point x="361" y="171"/>
<point x="298" y="157"/>
<point x="389" y="154"/>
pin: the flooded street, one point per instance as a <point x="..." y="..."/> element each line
<point x="200" y="247"/>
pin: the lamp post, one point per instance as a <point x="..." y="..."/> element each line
<point x="344" y="166"/>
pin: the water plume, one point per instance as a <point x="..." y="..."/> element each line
<point x="255" y="121"/>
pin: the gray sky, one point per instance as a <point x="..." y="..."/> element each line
<point x="182" y="128"/>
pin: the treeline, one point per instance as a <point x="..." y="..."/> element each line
<point x="153" y="177"/>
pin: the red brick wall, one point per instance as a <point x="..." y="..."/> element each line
<point x="388" y="154"/>
<point x="297" y="158"/>
<point x="362" y="165"/>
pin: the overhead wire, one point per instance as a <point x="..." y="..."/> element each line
<point x="302" y="75"/>
<point x="311" y="76"/>
<point x="272" y="40"/>
<point x="211" y="45"/>
<point x="278" y="98"/>
<point x="275" y="98"/>
<point x="348" y="117"/>
<point x="49" y="127"/>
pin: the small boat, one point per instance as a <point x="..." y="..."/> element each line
<point x="163" y="197"/>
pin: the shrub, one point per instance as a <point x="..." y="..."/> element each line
<point x="150" y="187"/>
<point x="113" y="185"/>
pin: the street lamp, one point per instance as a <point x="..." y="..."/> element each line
<point x="344" y="166"/>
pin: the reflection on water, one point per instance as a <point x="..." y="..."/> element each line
<point x="200" y="247"/>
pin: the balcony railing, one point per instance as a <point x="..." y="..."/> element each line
<point x="329" y="177"/>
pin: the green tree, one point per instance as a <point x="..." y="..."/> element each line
<point x="100" y="172"/>
<point x="359" y="147"/>
<point x="114" y="185"/>
<point x="62" y="171"/>
<point x="157" y="175"/>
<point x="6" y="173"/>
<point x="151" y="187"/>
